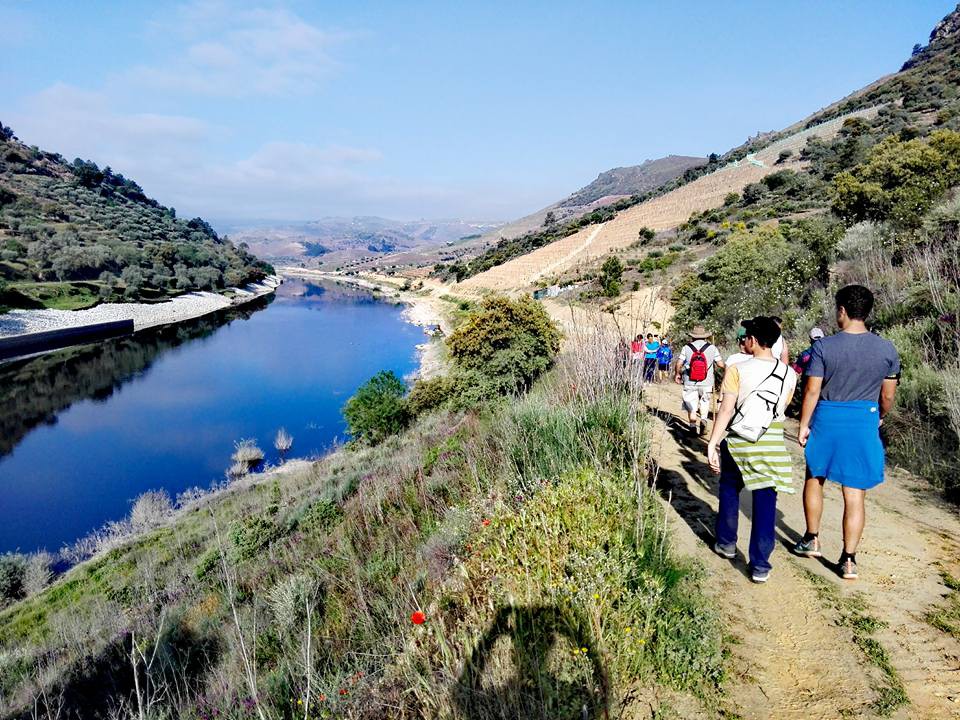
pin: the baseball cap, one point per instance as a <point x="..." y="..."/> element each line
<point x="816" y="333"/>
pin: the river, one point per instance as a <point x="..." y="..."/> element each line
<point x="84" y="431"/>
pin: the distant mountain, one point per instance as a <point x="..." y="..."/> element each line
<point x="632" y="180"/>
<point x="337" y="239"/>
<point x="609" y="187"/>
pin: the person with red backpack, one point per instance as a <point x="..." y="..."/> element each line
<point x="694" y="371"/>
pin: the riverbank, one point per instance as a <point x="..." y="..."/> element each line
<point x="422" y="309"/>
<point x="189" y="306"/>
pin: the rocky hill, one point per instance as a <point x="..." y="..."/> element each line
<point x="73" y="234"/>
<point x="633" y="180"/>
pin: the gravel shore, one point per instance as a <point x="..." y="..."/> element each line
<point x="183" y="307"/>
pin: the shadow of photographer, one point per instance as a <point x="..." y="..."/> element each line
<point x="537" y="688"/>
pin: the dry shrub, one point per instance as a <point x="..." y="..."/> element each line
<point x="150" y="510"/>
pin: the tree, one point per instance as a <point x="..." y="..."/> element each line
<point x="378" y="408"/>
<point x="509" y="343"/>
<point x="731" y="199"/>
<point x="550" y="219"/>
<point x="646" y="235"/>
<point x="611" y="275"/>
<point x="784" y="156"/>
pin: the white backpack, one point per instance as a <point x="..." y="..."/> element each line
<point x="754" y="415"/>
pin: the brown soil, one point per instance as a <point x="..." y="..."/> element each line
<point x="791" y="659"/>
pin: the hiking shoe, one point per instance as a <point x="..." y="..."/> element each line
<point x="808" y="548"/>
<point x="703" y="428"/>
<point x="760" y="576"/>
<point x="848" y="569"/>
<point x="723" y="552"/>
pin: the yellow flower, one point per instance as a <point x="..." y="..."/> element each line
<point x="596" y="596"/>
<point x="629" y="630"/>
<point x="299" y="701"/>
<point x="583" y="650"/>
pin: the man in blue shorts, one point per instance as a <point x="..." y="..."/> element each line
<point x="851" y="382"/>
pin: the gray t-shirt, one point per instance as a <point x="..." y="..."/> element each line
<point x="711" y="353"/>
<point x="853" y="366"/>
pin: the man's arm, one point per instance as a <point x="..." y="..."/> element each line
<point x="727" y="407"/>
<point x="887" y="392"/>
<point x="811" y="397"/>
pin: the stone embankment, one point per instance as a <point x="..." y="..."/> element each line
<point x="144" y="315"/>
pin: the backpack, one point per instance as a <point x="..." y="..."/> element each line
<point x="753" y="417"/>
<point x="699" y="365"/>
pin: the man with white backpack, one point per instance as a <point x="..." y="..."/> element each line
<point x="753" y="455"/>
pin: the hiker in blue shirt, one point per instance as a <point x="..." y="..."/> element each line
<point x="650" y="350"/>
<point x="664" y="358"/>
<point x="851" y="382"/>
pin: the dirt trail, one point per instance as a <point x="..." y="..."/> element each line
<point x="792" y="660"/>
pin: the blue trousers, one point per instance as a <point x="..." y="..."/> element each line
<point x="762" y="534"/>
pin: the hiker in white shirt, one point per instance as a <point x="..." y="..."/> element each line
<point x="694" y="371"/>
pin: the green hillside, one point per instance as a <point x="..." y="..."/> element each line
<point x="73" y="234"/>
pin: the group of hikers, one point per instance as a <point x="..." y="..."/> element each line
<point x="655" y="353"/>
<point x="847" y="382"/>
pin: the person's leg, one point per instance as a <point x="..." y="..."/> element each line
<point x="813" y="503"/>
<point x="854" y="517"/>
<point x="762" y="533"/>
<point x="689" y="395"/>
<point x="728" y="492"/>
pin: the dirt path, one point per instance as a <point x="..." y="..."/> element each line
<point x="794" y="656"/>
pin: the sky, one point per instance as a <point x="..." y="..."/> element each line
<point x="295" y="110"/>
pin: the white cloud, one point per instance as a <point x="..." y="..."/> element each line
<point x="222" y="51"/>
<point x="170" y="155"/>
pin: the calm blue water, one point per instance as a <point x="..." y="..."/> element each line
<point x="165" y="411"/>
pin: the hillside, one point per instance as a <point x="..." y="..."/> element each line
<point x="632" y="180"/>
<point x="73" y="234"/>
<point x="918" y="99"/>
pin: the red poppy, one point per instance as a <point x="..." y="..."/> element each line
<point x="344" y="691"/>
<point x="485" y="522"/>
<point x="418" y="618"/>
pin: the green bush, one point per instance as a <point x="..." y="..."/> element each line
<point x="320" y="515"/>
<point x="13" y="570"/>
<point x="427" y="395"/>
<point x="611" y="276"/>
<point x="378" y="409"/>
<point x="900" y="181"/>
<point x="509" y="342"/>
<point x="252" y="534"/>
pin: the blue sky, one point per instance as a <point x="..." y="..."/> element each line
<point x="484" y="110"/>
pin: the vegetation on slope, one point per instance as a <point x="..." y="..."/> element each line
<point x="505" y="560"/>
<point x="73" y="234"/>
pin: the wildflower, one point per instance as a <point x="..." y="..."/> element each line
<point x="344" y="691"/>
<point x="418" y="618"/>
<point x="485" y="522"/>
<point x="583" y="650"/>
<point x="596" y="596"/>
<point x="323" y="697"/>
<point x="628" y="630"/>
<point x="299" y="701"/>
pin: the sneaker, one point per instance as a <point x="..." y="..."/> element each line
<point x="723" y="552"/>
<point x="848" y="569"/>
<point x="808" y="548"/>
<point x="760" y="576"/>
<point x="703" y="428"/>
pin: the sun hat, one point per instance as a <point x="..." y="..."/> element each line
<point x="699" y="332"/>
<point x="816" y="333"/>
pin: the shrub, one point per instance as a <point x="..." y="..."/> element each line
<point x="900" y="181"/>
<point x="320" y="515"/>
<point x="611" y="275"/>
<point x="250" y="535"/>
<point x="12" y="574"/>
<point x="247" y="452"/>
<point x="427" y="395"/>
<point x="510" y="342"/>
<point x="149" y="510"/>
<point x="378" y="409"/>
